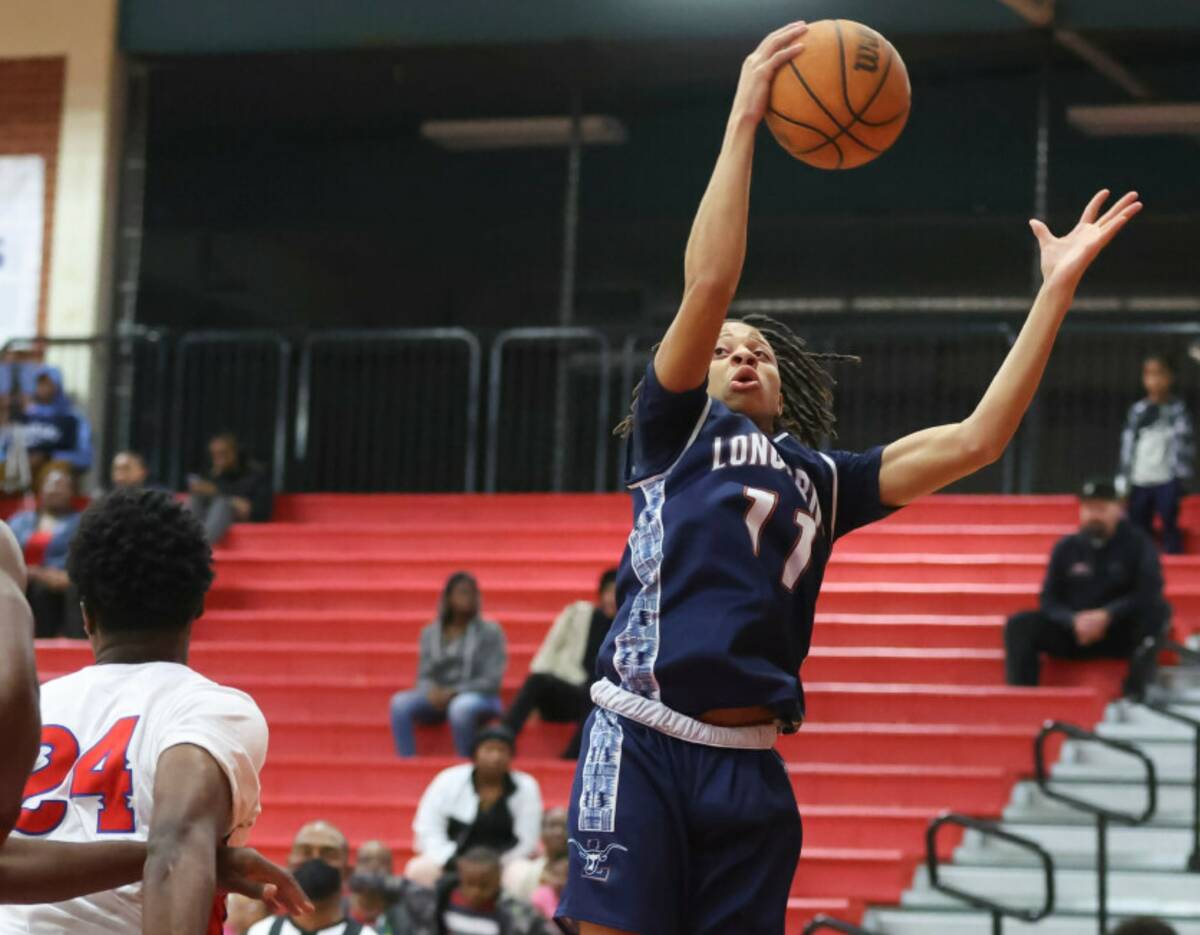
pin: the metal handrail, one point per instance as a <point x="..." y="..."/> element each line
<point x="999" y="911"/>
<point x="1103" y="815"/>
<point x="347" y="336"/>
<point x="495" y="368"/>
<point x="279" y="447"/>
<point x="830" y="924"/>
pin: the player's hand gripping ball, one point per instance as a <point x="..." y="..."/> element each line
<point x="842" y="101"/>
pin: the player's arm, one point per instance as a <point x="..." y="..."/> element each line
<point x="192" y="814"/>
<point x="716" y="247"/>
<point x="19" y="711"/>
<point x="33" y="872"/>
<point x="929" y="460"/>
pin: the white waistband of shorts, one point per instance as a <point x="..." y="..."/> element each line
<point x="657" y="716"/>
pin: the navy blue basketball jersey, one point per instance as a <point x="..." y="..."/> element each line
<point x="732" y="531"/>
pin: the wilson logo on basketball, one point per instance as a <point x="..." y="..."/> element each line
<point x="867" y="57"/>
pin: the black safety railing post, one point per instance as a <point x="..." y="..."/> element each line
<point x="1194" y="857"/>
<point x="824" y="923"/>
<point x="997" y="910"/>
<point x="1103" y="815"/>
<point x="1102" y="872"/>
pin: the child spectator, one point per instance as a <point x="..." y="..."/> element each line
<point x="470" y="901"/>
<point x="523" y="876"/>
<point x="462" y="663"/>
<point x="1157" y="452"/>
<point x="554" y="878"/>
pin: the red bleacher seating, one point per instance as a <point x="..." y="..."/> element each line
<point x="318" y="614"/>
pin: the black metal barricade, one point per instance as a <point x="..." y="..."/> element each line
<point x="388" y="410"/>
<point x="824" y="923"/>
<point x="548" y="410"/>
<point x="236" y="381"/>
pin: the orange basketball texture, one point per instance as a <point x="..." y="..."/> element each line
<point x="843" y="100"/>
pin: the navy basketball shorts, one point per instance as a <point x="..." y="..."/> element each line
<point x="669" y="837"/>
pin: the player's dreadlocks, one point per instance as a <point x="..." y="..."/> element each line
<point x="806" y="383"/>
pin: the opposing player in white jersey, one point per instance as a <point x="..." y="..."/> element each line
<point x="139" y="747"/>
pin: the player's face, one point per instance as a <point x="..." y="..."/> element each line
<point x="1099" y="518"/>
<point x="744" y="373"/>
<point x="319" y="843"/>
<point x="1156" y="378"/>
<point x="478" y="884"/>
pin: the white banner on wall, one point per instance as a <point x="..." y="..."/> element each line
<point x="22" y="187"/>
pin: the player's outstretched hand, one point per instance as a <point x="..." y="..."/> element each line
<point x="1065" y="259"/>
<point x="758" y="71"/>
<point x="245" y="871"/>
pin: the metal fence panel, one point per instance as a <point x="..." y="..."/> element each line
<point x="1093" y="378"/>
<point x="548" y="410"/>
<point x="388" y="410"/>
<point x="231" y="381"/>
<point x="911" y="377"/>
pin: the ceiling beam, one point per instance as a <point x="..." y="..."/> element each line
<point x="1104" y="63"/>
<point x="1035" y="12"/>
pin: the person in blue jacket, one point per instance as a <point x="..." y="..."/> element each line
<point x="45" y="536"/>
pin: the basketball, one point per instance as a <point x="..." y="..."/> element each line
<point x="843" y="100"/>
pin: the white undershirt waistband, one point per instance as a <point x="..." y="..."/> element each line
<point x="657" y="716"/>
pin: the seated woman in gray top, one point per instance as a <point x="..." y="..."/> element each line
<point x="462" y="662"/>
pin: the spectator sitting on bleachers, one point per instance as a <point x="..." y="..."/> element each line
<point x="374" y="857"/>
<point x="1144" y="925"/>
<point x="15" y="475"/>
<point x="236" y="490"/>
<point x="462" y="661"/>
<point x="560" y="677"/>
<point x="128" y="470"/>
<point x="1102" y="597"/>
<point x="483" y="802"/>
<point x="523" y="876"/>
<point x="45" y="536"/>
<point x="54" y="429"/>
<point x="554" y="880"/>
<point x="470" y="901"/>
<point x="391" y="905"/>
<point x="320" y="861"/>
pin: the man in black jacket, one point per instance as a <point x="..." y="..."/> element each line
<point x="237" y="489"/>
<point x="1102" y="597"/>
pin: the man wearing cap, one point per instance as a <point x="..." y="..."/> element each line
<point x="1102" y="597"/>
<point x="482" y="803"/>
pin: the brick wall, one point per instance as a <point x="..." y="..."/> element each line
<point x="31" y="99"/>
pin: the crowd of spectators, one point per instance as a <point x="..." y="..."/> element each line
<point x="361" y="896"/>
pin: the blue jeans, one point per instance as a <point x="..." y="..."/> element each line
<point x="464" y="712"/>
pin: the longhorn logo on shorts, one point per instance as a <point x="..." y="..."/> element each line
<point x="593" y="857"/>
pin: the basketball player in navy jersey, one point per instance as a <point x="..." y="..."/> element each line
<point x="682" y="819"/>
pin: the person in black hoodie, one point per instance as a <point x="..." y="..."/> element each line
<point x="1102" y="597"/>
<point x="237" y="490"/>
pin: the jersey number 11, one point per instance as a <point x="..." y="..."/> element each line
<point x="762" y="507"/>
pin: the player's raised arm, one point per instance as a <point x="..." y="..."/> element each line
<point x="716" y="248"/>
<point x="19" y="713"/>
<point x="193" y="808"/>
<point x="928" y="460"/>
